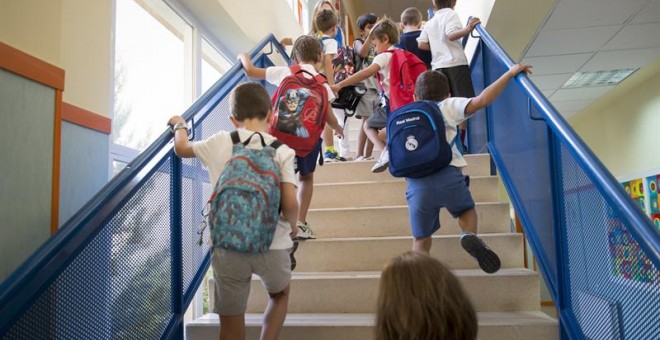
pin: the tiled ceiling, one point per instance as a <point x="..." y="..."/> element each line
<point x="592" y="35"/>
<point x="577" y="36"/>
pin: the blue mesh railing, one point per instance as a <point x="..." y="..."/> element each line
<point x="127" y="265"/>
<point x="598" y="252"/>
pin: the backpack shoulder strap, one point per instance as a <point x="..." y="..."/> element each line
<point x="321" y="78"/>
<point x="276" y="144"/>
<point x="235" y="138"/>
<point x="295" y="69"/>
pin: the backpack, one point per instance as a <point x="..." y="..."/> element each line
<point x="300" y="106"/>
<point x="244" y="207"/>
<point x="343" y="64"/>
<point x="405" y="67"/>
<point x="416" y="140"/>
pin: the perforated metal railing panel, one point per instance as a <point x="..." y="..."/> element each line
<point x="118" y="286"/>
<point x="124" y="282"/>
<point x="614" y="287"/>
<point x="611" y="287"/>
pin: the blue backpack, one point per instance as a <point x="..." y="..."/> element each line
<point x="245" y="205"/>
<point x="416" y="140"/>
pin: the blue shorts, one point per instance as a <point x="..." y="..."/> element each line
<point x="307" y="165"/>
<point x="443" y="189"/>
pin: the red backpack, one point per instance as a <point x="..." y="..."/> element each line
<point x="300" y="105"/>
<point x="405" y="67"/>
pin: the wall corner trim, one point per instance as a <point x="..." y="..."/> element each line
<point x="25" y="65"/>
<point x="87" y="119"/>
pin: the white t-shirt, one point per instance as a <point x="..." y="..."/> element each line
<point x="453" y="113"/>
<point x="383" y="60"/>
<point x="215" y="152"/>
<point x="445" y="53"/>
<point x="275" y="75"/>
<point x="330" y="45"/>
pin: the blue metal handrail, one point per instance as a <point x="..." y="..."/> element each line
<point x="554" y="249"/>
<point x="28" y="282"/>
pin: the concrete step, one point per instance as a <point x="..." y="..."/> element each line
<point x="393" y="221"/>
<point x="479" y="165"/>
<point x="507" y="290"/>
<point x="388" y="193"/>
<point x="372" y="253"/>
<point x="492" y="326"/>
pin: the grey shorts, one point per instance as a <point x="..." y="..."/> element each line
<point x="233" y="271"/>
<point x="368" y="103"/>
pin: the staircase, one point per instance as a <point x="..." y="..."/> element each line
<point x="361" y="220"/>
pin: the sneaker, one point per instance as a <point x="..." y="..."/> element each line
<point x="382" y="163"/>
<point x="304" y="232"/>
<point x="291" y="252"/>
<point x="363" y="159"/>
<point x="333" y="156"/>
<point x="487" y="259"/>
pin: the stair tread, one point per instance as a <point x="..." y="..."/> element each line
<point x="392" y="180"/>
<point x="383" y="238"/>
<point x="367" y="319"/>
<point x="467" y="159"/>
<point x="376" y="274"/>
<point x="387" y="207"/>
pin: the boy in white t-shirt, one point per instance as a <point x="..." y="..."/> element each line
<point x="447" y="188"/>
<point x="250" y="109"/>
<point x="307" y="53"/>
<point x="385" y="35"/>
<point x="442" y="36"/>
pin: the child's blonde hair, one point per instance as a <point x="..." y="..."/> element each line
<point x="386" y="27"/>
<point x="314" y="30"/>
<point x="419" y="298"/>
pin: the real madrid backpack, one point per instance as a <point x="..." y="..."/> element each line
<point x="416" y="140"/>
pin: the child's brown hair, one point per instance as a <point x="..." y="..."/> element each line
<point x="432" y="85"/>
<point x="440" y="4"/>
<point x="307" y="49"/>
<point x="325" y="20"/>
<point x="386" y="27"/>
<point x="421" y="299"/>
<point x="411" y="16"/>
<point x="249" y="101"/>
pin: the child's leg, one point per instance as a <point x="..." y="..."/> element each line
<point x="232" y="327"/>
<point x="372" y="134"/>
<point x="344" y="145"/>
<point x="362" y="140"/>
<point x="275" y="314"/>
<point x="305" y="191"/>
<point x="274" y="269"/>
<point x="468" y="221"/>
<point x="423" y="245"/>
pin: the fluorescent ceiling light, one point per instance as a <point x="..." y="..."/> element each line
<point x="598" y="78"/>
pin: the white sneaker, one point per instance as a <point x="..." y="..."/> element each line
<point x="363" y="159"/>
<point x="304" y="232"/>
<point x="382" y="163"/>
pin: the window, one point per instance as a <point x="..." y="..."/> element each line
<point x="214" y="65"/>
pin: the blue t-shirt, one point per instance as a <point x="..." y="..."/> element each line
<point x="408" y="42"/>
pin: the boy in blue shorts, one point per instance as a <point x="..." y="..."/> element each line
<point x="447" y="187"/>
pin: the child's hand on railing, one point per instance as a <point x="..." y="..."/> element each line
<point x="517" y="68"/>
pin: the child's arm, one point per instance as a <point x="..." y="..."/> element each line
<point x="289" y="202"/>
<point x="358" y="77"/>
<point x="458" y="34"/>
<point x="250" y="70"/>
<point x="182" y="146"/>
<point x="331" y="120"/>
<point x="489" y="94"/>
<point x="286" y="41"/>
<point x="364" y="49"/>
<point x="328" y="69"/>
<point x="424" y="46"/>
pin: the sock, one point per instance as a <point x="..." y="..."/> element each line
<point x="330" y="148"/>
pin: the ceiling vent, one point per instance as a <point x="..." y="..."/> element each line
<point x="597" y="78"/>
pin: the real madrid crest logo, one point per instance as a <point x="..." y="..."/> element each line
<point x="411" y="143"/>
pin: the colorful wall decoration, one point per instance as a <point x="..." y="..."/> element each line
<point x="628" y="260"/>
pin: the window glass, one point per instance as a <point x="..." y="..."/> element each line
<point x="214" y="65"/>
<point x="149" y="70"/>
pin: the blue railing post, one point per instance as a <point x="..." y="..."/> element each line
<point x="176" y="245"/>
